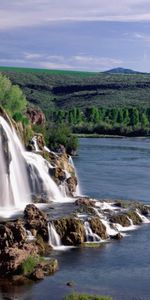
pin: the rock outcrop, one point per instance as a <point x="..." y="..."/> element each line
<point x="36" y="220"/>
<point x="36" y="116"/>
<point x="98" y="227"/>
<point x="71" y="231"/>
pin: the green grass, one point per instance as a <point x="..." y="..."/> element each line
<point x="27" y="267"/>
<point x="48" y="71"/>
<point x="76" y="296"/>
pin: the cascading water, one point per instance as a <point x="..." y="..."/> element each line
<point x="34" y="141"/>
<point x="14" y="185"/>
<point x="54" y="238"/>
<point x="41" y="182"/>
<point x="78" y="190"/>
<point x="90" y="235"/>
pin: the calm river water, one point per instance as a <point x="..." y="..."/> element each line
<point x="107" y="168"/>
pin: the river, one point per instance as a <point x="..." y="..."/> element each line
<point x="107" y="168"/>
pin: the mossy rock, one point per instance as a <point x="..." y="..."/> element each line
<point x="71" y="230"/>
<point x="76" y="296"/>
<point x="98" y="227"/>
<point x="121" y="219"/>
<point x="134" y="217"/>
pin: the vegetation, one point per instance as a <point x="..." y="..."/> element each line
<point x="28" y="266"/>
<point x="76" y="296"/>
<point x="11" y="96"/>
<point x="91" y="103"/>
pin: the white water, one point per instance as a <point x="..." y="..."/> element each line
<point x="34" y="140"/>
<point x="41" y="181"/>
<point x="90" y="235"/>
<point x="14" y="186"/>
<point x="54" y="238"/>
<point x="78" y="189"/>
<point x="143" y="218"/>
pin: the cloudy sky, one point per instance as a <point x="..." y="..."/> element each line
<point x="92" y="35"/>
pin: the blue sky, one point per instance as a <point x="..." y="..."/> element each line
<point x="90" y="35"/>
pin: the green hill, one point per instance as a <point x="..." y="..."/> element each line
<point x="117" y="103"/>
<point x="66" y="89"/>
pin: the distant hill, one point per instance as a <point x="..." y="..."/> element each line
<point x="50" y="89"/>
<point x="123" y="71"/>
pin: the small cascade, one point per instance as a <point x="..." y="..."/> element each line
<point x="90" y="236"/>
<point x="14" y="185"/>
<point x="54" y="238"/>
<point x="34" y="141"/>
<point x="49" y="151"/>
<point x="78" y="189"/>
<point x="110" y="231"/>
<point x="131" y="222"/>
<point x="40" y="179"/>
<point x="143" y="218"/>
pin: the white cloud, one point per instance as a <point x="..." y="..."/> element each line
<point x="76" y="62"/>
<point x="17" y="13"/>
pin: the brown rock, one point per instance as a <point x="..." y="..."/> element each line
<point x="12" y="257"/>
<point x="72" y="184"/>
<point x="134" y="217"/>
<point x="98" y="227"/>
<point x="71" y="231"/>
<point x="121" y="219"/>
<point x="36" y="116"/>
<point x="37" y="220"/>
<point x="85" y="201"/>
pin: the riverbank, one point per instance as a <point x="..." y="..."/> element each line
<point x="96" y="135"/>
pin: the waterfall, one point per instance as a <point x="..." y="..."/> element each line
<point x="23" y="174"/>
<point x="14" y="185"/>
<point x="54" y="238"/>
<point x="78" y="189"/>
<point x="40" y="180"/>
<point x="90" y="235"/>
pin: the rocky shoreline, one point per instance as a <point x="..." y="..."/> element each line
<point x="25" y="242"/>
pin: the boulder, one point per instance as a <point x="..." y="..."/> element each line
<point x="72" y="184"/>
<point x="12" y="233"/>
<point x="71" y="231"/>
<point x="121" y="219"/>
<point x="85" y="201"/>
<point x="12" y="257"/>
<point x="37" y="220"/>
<point x="98" y="227"/>
<point x="45" y="268"/>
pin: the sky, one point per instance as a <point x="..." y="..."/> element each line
<point x="86" y="35"/>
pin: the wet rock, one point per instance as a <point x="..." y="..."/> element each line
<point x="71" y="231"/>
<point x="37" y="220"/>
<point x="70" y="284"/>
<point x="58" y="175"/>
<point x="98" y="227"/>
<point x="72" y="184"/>
<point x="85" y="201"/>
<point x="134" y="217"/>
<point x="12" y="233"/>
<point x="38" y="274"/>
<point x="118" y="236"/>
<point x="45" y="268"/>
<point x="121" y="219"/>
